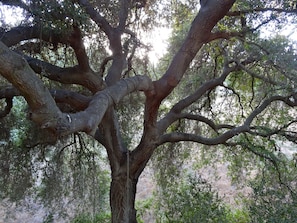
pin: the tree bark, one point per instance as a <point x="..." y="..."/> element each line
<point x="122" y="197"/>
<point x="123" y="174"/>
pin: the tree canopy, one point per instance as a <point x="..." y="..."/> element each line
<point x="226" y="81"/>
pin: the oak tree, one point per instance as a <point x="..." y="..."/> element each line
<point x="238" y="88"/>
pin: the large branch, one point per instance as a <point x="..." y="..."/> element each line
<point x="96" y="17"/>
<point x="114" y="35"/>
<point x="69" y="75"/>
<point x="76" y="101"/>
<point x="173" y="114"/>
<point x="76" y="42"/>
<point x="115" y="71"/>
<point x="74" y="39"/>
<point x="208" y="16"/>
<point x="200" y="31"/>
<point x="205" y="120"/>
<point x="123" y="14"/>
<point x="18" y="34"/>
<point x="21" y="33"/>
<point x="17" y="71"/>
<point x="178" y="136"/>
<point x="89" y="119"/>
<point x="223" y="138"/>
<point x="44" y="109"/>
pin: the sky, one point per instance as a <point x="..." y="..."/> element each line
<point x="159" y="41"/>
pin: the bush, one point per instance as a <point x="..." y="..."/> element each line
<point x="191" y="200"/>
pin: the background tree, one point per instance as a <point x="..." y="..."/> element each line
<point x="240" y="90"/>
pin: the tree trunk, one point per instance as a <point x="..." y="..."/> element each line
<point x="122" y="197"/>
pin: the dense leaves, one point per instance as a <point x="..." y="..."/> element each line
<point x="191" y="201"/>
<point x="274" y="198"/>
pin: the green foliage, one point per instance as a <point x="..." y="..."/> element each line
<point x="75" y="171"/>
<point x="74" y="167"/>
<point x="30" y="167"/>
<point x="130" y="112"/>
<point x="270" y="69"/>
<point x="143" y="207"/>
<point x="16" y="169"/>
<point x="190" y="199"/>
<point x="88" y="218"/>
<point x="274" y="196"/>
<point x="58" y="16"/>
<point x="20" y="125"/>
<point x="238" y="216"/>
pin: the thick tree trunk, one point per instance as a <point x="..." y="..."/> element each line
<point x="122" y="198"/>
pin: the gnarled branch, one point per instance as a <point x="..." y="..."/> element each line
<point x="69" y="75"/>
<point x="172" y="115"/>
<point x="221" y="139"/>
<point x="17" y="71"/>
